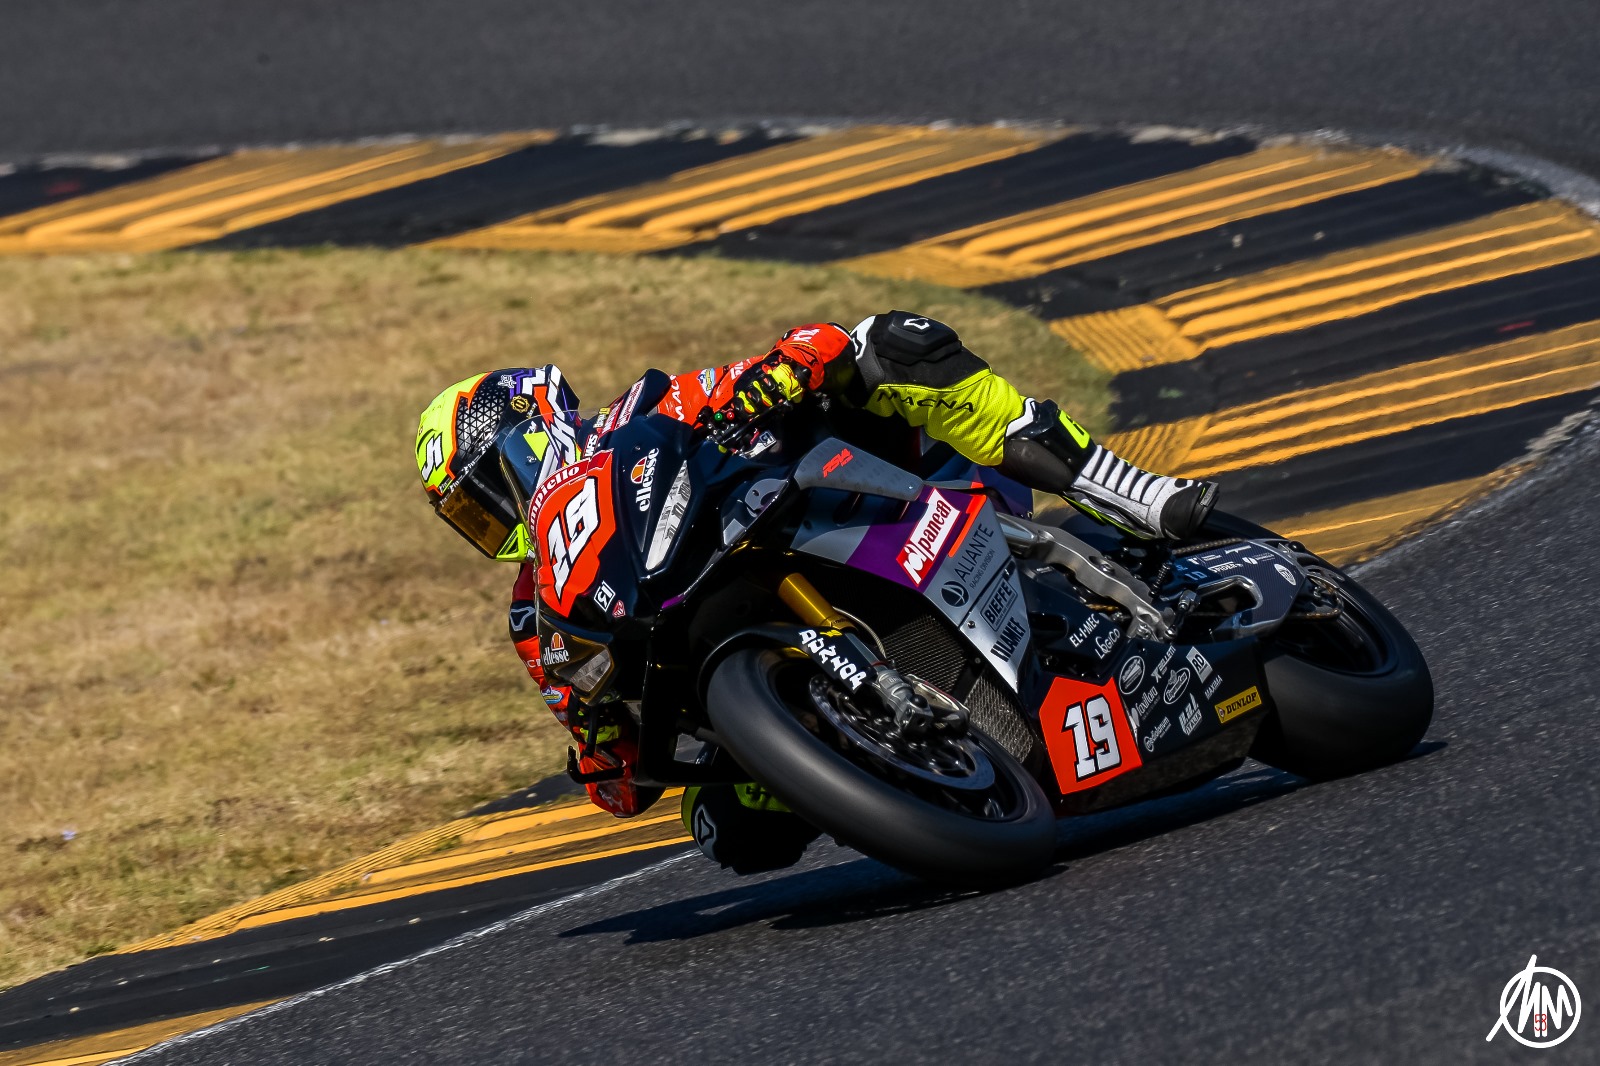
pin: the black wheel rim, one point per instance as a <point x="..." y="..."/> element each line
<point x="1355" y="642"/>
<point x="998" y="799"/>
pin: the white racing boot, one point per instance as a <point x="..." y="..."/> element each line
<point x="1150" y="505"/>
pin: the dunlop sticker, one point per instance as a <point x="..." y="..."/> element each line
<point x="1234" y="706"/>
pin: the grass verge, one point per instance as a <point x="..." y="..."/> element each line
<point x="236" y="648"/>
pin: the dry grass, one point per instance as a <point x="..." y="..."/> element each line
<point x="235" y="646"/>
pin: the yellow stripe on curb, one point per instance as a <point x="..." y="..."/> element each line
<point x="498" y="851"/>
<point x="1343" y="285"/>
<point x="661" y="839"/>
<point x="104" y="1047"/>
<point x="1349" y="534"/>
<point x="753" y="189"/>
<point x="1500" y="376"/>
<point x="564" y="833"/>
<point x="1138" y="215"/>
<point x="237" y="192"/>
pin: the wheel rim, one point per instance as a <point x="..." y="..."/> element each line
<point x="996" y="799"/>
<point x="952" y="762"/>
<point x="1353" y="643"/>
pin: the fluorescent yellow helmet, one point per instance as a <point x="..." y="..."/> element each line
<point x="459" y="438"/>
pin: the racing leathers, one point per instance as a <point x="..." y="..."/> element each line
<point x="914" y="371"/>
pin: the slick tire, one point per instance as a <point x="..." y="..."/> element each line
<point x="864" y="812"/>
<point x="1333" y="722"/>
<point x="1330" y="723"/>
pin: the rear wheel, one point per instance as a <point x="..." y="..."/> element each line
<point x="1352" y="692"/>
<point x="958" y="810"/>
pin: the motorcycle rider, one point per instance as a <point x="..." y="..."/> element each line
<point x="910" y="369"/>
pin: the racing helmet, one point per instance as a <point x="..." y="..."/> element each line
<point x="460" y="437"/>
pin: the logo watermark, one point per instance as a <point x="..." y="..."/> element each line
<point x="1540" y="1001"/>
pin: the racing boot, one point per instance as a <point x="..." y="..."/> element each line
<point x="1150" y="505"/>
<point x="745" y="827"/>
<point x="1048" y="450"/>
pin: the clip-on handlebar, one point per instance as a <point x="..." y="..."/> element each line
<point x="726" y="426"/>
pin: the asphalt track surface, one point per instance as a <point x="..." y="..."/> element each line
<point x="96" y="75"/>
<point x="1258" y="920"/>
<point x="1261" y="919"/>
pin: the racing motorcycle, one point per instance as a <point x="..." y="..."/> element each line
<point x="898" y="650"/>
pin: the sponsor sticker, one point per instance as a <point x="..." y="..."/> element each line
<point x="628" y="404"/>
<point x="617" y="610"/>
<point x="1000" y="600"/>
<point x="555" y="651"/>
<point x="928" y="538"/>
<point x="1010" y="640"/>
<point x="1176" y="686"/>
<point x="521" y="404"/>
<point x="1234" y="706"/>
<point x="1131" y="676"/>
<point x="604" y="596"/>
<point x="708" y="381"/>
<point x="975" y="557"/>
<point x="1189" y="717"/>
<point x="844" y="456"/>
<point x="1212" y="686"/>
<point x="954" y="593"/>
<point x="830" y="658"/>
<point x="1285" y="573"/>
<point x="1156" y="734"/>
<point x="1202" y="665"/>
<point x="643" y="475"/>
<point x="1137" y="711"/>
<point x="1086" y="629"/>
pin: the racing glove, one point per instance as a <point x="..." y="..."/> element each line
<point x="765" y="386"/>
<point x="807" y="358"/>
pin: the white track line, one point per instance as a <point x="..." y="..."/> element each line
<point x="536" y="911"/>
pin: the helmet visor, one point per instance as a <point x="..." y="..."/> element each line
<point x="484" y="516"/>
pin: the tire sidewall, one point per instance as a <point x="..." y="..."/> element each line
<point x="862" y="811"/>
<point x="1330" y="723"/>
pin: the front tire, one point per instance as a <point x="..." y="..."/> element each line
<point x="764" y="733"/>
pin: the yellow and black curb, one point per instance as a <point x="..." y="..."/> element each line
<point x="1355" y="341"/>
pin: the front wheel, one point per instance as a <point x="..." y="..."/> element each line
<point x="967" y="815"/>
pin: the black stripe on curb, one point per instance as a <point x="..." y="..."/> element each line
<point x="31" y="187"/>
<point x="534" y="178"/>
<point x="1401" y="462"/>
<point x="283" y="959"/>
<point x="1074" y="166"/>
<point x="1430" y="326"/>
<point x="1366" y="216"/>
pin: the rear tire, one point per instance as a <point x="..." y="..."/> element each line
<point x="864" y="811"/>
<point x="1341" y="710"/>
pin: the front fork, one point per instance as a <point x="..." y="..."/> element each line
<point x="832" y="644"/>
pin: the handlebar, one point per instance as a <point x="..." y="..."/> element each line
<point x="725" y="427"/>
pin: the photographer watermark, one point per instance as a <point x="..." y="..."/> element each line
<point x="1541" y="1002"/>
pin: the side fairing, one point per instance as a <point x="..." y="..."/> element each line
<point x="1159" y="700"/>
<point x="948" y="546"/>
